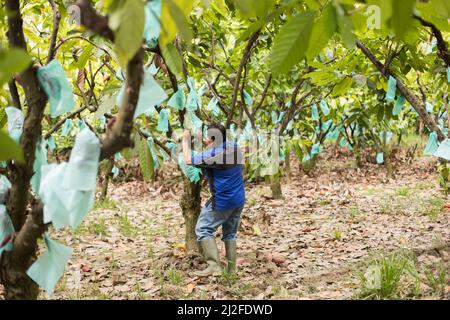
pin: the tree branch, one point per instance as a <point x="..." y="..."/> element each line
<point x="443" y="53"/>
<point x="244" y="60"/>
<point x="93" y="21"/>
<point x="119" y="136"/>
<point x="405" y="92"/>
<point x="56" y="22"/>
<point x="32" y="128"/>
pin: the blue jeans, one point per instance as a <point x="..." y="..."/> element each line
<point x="209" y="220"/>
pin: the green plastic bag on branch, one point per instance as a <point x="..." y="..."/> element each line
<point x="191" y="172"/>
<point x="14" y="123"/>
<point x="178" y="100"/>
<point x="152" y="27"/>
<point x="51" y="143"/>
<point x="274" y="117"/>
<point x="39" y="161"/>
<point x="443" y="150"/>
<point x="115" y="172"/>
<point x="150" y="95"/>
<point x="432" y="144"/>
<point x="392" y="89"/>
<point x="448" y="74"/>
<point x="53" y="81"/>
<point x="389" y="136"/>
<point x="163" y="121"/>
<point x="380" y="158"/>
<point x="399" y="104"/>
<point x="247" y="98"/>
<point x="315" y="112"/>
<point x="68" y="189"/>
<point x="49" y="267"/>
<point x="429" y="107"/>
<point x="191" y="121"/>
<point x="193" y="99"/>
<point x="315" y="150"/>
<point x="66" y="127"/>
<point x="213" y="106"/>
<point x="324" y="108"/>
<point x="6" y="230"/>
<point x="151" y="147"/>
<point x="5" y="185"/>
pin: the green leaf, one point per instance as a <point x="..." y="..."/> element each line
<point x="145" y="160"/>
<point x="172" y="58"/>
<point x="345" y="25"/>
<point x="127" y="20"/>
<point x="107" y="103"/>
<point x="174" y="17"/>
<point x="3" y="118"/>
<point x="9" y="149"/>
<point x="342" y="87"/>
<point x="323" y="30"/>
<point x="402" y="17"/>
<point x="83" y="59"/>
<point x="291" y="43"/>
<point x="220" y="6"/>
<point x="12" y="61"/>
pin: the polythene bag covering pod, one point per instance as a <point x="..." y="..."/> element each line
<point x="151" y="147"/>
<point x="66" y="127"/>
<point x="324" y="107"/>
<point x="4" y="187"/>
<point x="49" y="267"/>
<point x="163" y="121"/>
<point x="398" y="105"/>
<point x="178" y="100"/>
<point x="380" y="158"/>
<point x="57" y="88"/>
<point x="193" y="99"/>
<point x="213" y="106"/>
<point x="6" y="230"/>
<point x="51" y="143"/>
<point x="392" y="89"/>
<point x="15" y="120"/>
<point x="83" y="162"/>
<point x="444" y="150"/>
<point x="314" y="112"/>
<point x="432" y="144"/>
<point x="150" y="95"/>
<point x="247" y="98"/>
<point x="191" y="172"/>
<point x="39" y="161"/>
<point x="152" y="27"/>
<point x="68" y="189"/>
<point x="315" y="149"/>
<point x="115" y="172"/>
<point x="429" y="107"/>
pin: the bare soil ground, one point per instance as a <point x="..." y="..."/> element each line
<point x="317" y="243"/>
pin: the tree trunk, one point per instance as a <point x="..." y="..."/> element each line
<point x="18" y="286"/>
<point x="287" y="164"/>
<point x="190" y="206"/>
<point x="108" y="175"/>
<point x="275" y="186"/>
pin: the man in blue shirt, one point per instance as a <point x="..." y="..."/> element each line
<point x="221" y="163"/>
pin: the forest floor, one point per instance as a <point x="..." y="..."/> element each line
<point x="323" y="241"/>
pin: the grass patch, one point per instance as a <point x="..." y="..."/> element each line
<point x="106" y="203"/>
<point x="403" y="192"/>
<point x="432" y="207"/>
<point x="389" y="276"/>
<point x="127" y="228"/>
<point x="99" y="227"/>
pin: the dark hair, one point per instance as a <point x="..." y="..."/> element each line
<point x="217" y="133"/>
